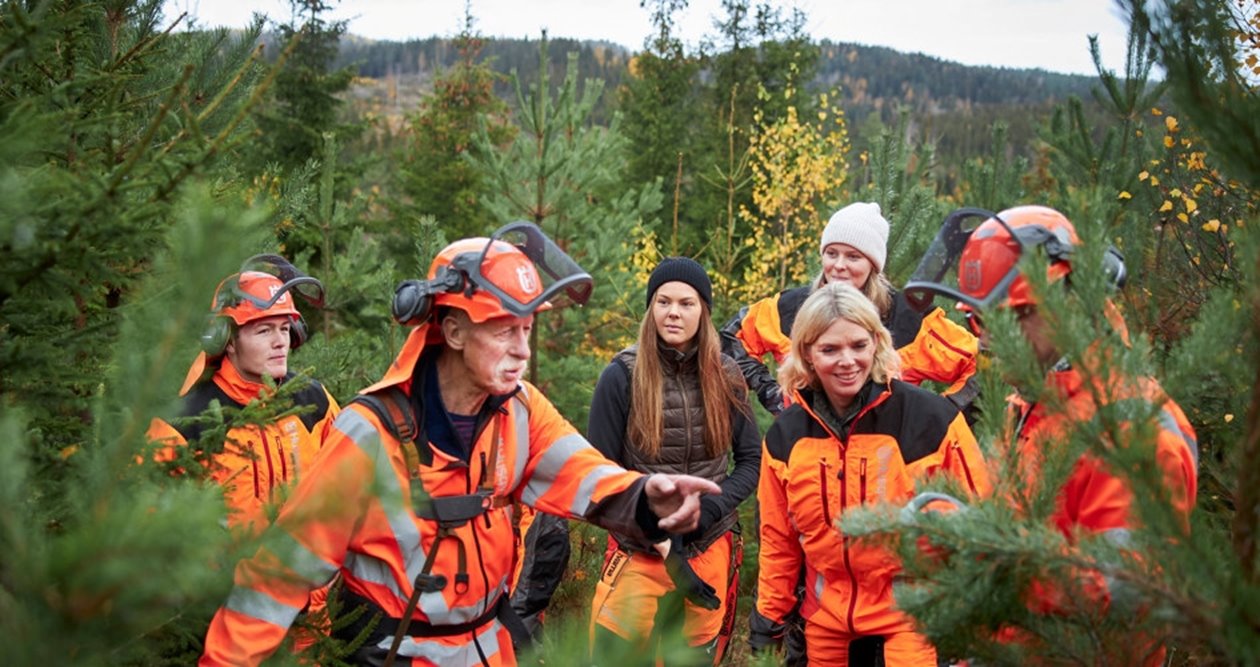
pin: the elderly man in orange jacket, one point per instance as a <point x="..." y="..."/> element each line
<point x="983" y="269"/>
<point x="411" y="498"/>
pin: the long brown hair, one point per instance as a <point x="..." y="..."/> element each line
<point x="646" y="425"/>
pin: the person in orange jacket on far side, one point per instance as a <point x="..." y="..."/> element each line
<point x="853" y="436"/>
<point x="982" y="267"/>
<point x="411" y="498"/>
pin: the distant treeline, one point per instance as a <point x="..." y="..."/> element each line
<point x="955" y="104"/>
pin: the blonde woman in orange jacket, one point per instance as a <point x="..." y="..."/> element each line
<point x="854" y="436"/>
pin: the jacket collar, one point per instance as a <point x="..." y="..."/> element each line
<point x="674" y="361"/>
<point x="229" y="379"/>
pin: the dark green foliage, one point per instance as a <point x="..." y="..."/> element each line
<point x="101" y="128"/>
<point x="435" y="178"/>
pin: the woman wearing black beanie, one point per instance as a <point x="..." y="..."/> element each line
<point x="674" y="403"/>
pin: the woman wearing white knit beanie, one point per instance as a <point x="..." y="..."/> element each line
<point x="853" y="249"/>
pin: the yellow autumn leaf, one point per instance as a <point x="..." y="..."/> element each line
<point x="1183" y="217"/>
<point x="1229" y="418"/>
<point x="1125" y="195"/>
<point x="1212" y="225"/>
<point x="1191" y="205"/>
<point x="1168" y="141"/>
<point x="1156" y="112"/>
<point x="1154" y="181"/>
<point x="1171" y="123"/>
<point x="1176" y="192"/>
<point x="1166" y="206"/>
<point x="1143" y="176"/>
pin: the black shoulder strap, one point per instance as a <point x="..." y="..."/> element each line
<point x="392" y="407"/>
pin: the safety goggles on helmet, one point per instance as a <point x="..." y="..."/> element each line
<point x="523" y="287"/>
<point x="262" y="289"/>
<point x="975" y="257"/>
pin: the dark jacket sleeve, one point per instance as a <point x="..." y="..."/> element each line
<point x="610" y="408"/>
<point x="756" y="375"/>
<point x="746" y="450"/>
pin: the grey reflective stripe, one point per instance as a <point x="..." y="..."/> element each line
<point x="1120" y="537"/>
<point x="434" y="605"/>
<point x="1169" y="422"/>
<point x="582" y="503"/>
<point x="460" y="655"/>
<point x="374" y="570"/>
<point x="548" y="468"/>
<point x="261" y="606"/>
<point x="521" y="417"/>
<point x="393" y="501"/>
<point x="310" y="567"/>
<point x="820" y="584"/>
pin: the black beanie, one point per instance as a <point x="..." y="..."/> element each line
<point x="682" y="269"/>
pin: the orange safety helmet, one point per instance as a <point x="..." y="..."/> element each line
<point x="514" y="272"/>
<point x="990" y="259"/>
<point x="985" y="258"/>
<point x="263" y="288"/>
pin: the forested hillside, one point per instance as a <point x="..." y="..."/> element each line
<point x="140" y="164"/>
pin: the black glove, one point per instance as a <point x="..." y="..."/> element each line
<point x="763" y="634"/>
<point x="686" y="580"/>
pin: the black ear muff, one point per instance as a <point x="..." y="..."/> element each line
<point x="297" y="332"/>
<point x="413" y="299"/>
<point x="215" y="337"/>
<point x="1114" y="269"/>
<point x="412" y="303"/>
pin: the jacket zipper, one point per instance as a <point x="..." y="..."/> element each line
<point x="826" y="499"/>
<point x="271" y="466"/>
<point x="971" y="483"/>
<point x="682" y="391"/>
<point x="862" y="482"/>
<point x="946" y="343"/>
<point x="848" y="567"/>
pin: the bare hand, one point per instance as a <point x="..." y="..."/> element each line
<point x="675" y="499"/>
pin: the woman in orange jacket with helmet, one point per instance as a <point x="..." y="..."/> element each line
<point x="853" y="436"/>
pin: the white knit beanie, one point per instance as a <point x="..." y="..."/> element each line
<point x="861" y="226"/>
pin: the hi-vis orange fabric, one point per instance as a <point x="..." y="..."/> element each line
<point x="1093" y="501"/>
<point x="354" y="515"/>
<point x="933" y="348"/>
<point x="255" y="461"/>
<point x="811" y="475"/>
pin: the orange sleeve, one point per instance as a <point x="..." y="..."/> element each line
<point x="942" y="351"/>
<point x="780" y="559"/>
<point x="761" y="332"/>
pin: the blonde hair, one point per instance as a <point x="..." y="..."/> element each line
<point x="831" y="302"/>
<point x="877" y="289"/>
<point x="646" y="423"/>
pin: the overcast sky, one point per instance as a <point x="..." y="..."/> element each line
<point x="1050" y="34"/>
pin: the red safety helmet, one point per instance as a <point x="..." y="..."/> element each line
<point x="985" y="259"/>
<point x="514" y="272"/>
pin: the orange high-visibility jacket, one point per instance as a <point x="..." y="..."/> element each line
<point x="353" y="514"/>
<point x="931" y="347"/>
<point x="811" y="475"/>
<point x="255" y="461"/>
<point x="1093" y="500"/>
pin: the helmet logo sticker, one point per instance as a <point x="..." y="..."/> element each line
<point x="526" y="279"/>
<point x="970" y="277"/>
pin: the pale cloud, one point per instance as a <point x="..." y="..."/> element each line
<point x="1050" y="34"/>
